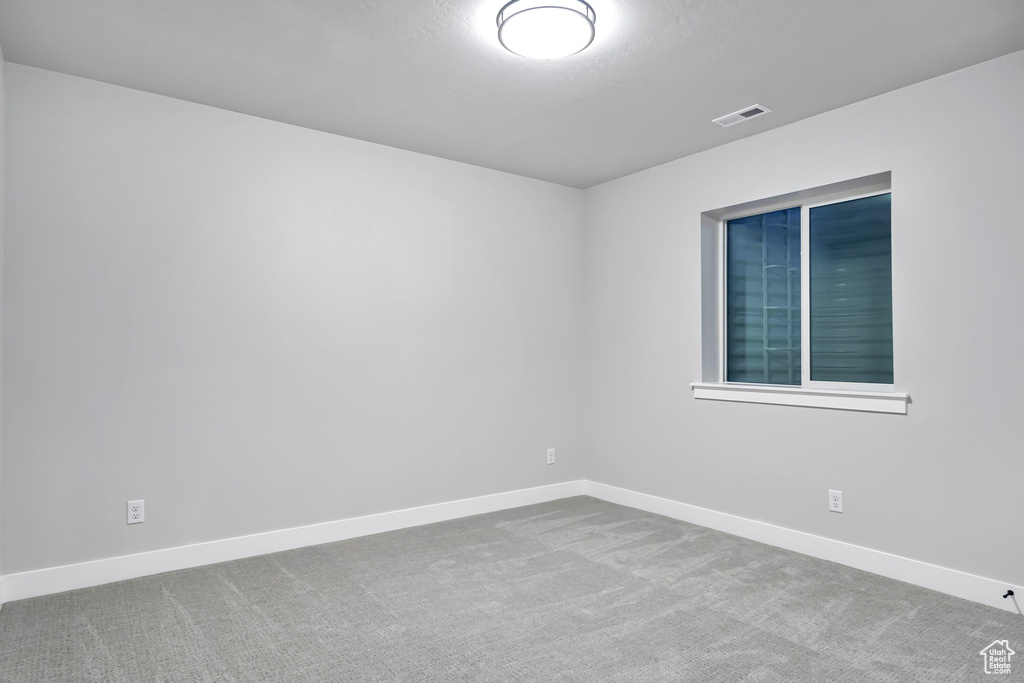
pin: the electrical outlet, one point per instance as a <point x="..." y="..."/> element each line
<point x="136" y="511"/>
<point x="835" y="500"/>
<point x="551" y="456"/>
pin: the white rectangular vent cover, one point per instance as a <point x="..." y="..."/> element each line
<point x="742" y="115"/>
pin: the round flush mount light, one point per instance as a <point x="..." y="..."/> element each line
<point x="546" y="29"/>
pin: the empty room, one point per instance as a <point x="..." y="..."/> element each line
<point x="542" y="340"/>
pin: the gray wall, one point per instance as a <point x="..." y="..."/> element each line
<point x="3" y="110"/>
<point x="255" y="326"/>
<point x="942" y="484"/>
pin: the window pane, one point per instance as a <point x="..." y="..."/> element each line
<point x="763" y="298"/>
<point x="851" y="291"/>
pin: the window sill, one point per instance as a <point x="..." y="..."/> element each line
<point x="866" y="401"/>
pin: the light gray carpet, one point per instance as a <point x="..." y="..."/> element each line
<point x="574" y="590"/>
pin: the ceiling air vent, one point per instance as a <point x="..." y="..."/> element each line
<point x="742" y="115"/>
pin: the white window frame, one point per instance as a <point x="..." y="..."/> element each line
<point x="841" y="395"/>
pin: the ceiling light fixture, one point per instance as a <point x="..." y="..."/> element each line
<point x="546" y="29"/>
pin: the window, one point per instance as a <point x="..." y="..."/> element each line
<point x="850" y="284"/>
<point x="804" y="300"/>
<point x="762" y="317"/>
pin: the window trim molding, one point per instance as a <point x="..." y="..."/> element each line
<point x="784" y="395"/>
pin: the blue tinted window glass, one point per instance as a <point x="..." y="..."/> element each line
<point x="763" y="298"/>
<point x="851" y="291"/>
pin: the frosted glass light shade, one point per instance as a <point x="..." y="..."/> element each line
<point x="546" y="29"/>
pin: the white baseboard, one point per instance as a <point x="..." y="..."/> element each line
<point x="85" y="574"/>
<point x="97" y="572"/>
<point x="950" y="581"/>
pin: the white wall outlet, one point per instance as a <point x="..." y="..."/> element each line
<point x="835" y="500"/>
<point x="136" y="511"/>
<point x="551" y="456"/>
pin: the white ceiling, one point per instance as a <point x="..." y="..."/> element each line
<point x="430" y="76"/>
